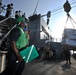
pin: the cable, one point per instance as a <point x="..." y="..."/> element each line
<point x="74" y="6"/>
<point x="59" y="11"/>
<point x="72" y="23"/>
<point x="60" y="8"/>
<point x="73" y="3"/>
<point x="56" y="10"/>
<point x="36" y="7"/>
<point x="72" y="19"/>
<point x="66" y="22"/>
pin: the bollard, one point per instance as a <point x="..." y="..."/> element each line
<point x="3" y="60"/>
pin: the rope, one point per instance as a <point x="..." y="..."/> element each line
<point x="71" y="19"/>
<point x="65" y="25"/>
<point x="72" y="23"/>
<point x="66" y="22"/>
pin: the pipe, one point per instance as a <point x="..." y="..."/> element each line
<point x="3" y="60"/>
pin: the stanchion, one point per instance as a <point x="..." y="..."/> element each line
<point x="3" y="60"/>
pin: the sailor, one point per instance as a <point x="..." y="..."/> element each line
<point x="18" y="41"/>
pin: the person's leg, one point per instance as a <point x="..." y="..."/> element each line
<point x="66" y="58"/>
<point x="69" y="60"/>
<point x="20" y="68"/>
<point x="11" y="66"/>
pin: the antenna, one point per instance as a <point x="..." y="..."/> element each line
<point x="36" y="7"/>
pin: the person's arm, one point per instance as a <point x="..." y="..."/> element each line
<point x="13" y="45"/>
<point x="14" y="35"/>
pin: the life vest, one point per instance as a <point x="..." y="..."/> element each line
<point x="22" y="40"/>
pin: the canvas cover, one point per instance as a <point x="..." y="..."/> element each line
<point x="29" y="53"/>
<point x="69" y="37"/>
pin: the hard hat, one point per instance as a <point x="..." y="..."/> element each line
<point x="20" y="19"/>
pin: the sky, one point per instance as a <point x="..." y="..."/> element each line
<point x="58" y="18"/>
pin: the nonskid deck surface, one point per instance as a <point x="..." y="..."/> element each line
<point x="57" y="67"/>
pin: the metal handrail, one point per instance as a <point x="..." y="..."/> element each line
<point x="5" y="19"/>
<point x="7" y="33"/>
<point x="3" y="53"/>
